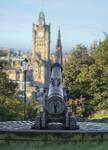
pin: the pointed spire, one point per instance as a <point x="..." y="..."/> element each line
<point x="59" y="48"/>
<point x="59" y="34"/>
<point x="59" y="45"/>
<point x="41" y="18"/>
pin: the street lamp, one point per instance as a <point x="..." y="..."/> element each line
<point x="25" y="67"/>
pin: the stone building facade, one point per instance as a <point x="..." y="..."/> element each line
<point x="41" y="51"/>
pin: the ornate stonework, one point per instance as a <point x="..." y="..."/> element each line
<point x="41" y="50"/>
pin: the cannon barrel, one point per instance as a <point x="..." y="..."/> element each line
<point x="56" y="102"/>
<point x="55" y="87"/>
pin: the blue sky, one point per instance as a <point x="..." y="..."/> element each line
<point x="81" y="21"/>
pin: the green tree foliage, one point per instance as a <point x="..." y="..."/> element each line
<point x="100" y="84"/>
<point x="86" y="78"/>
<point x="31" y="110"/>
<point x="9" y="104"/>
<point x="100" y="54"/>
<point x="7" y="87"/>
<point x="11" y="107"/>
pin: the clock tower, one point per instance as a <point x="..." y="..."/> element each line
<point x="41" y="51"/>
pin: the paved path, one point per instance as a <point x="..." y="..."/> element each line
<point x="25" y="126"/>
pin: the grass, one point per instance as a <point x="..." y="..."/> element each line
<point x="100" y="114"/>
<point x="54" y="146"/>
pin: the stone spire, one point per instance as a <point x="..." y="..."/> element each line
<point x="41" y="19"/>
<point x="59" y="45"/>
<point x="59" y="49"/>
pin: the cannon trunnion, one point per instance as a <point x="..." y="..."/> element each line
<point x="55" y="108"/>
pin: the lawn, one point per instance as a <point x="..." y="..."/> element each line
<point x="54" y="146"/>
<point x="100" y="114"/>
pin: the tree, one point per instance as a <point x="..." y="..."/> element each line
<point x="7" y="87"/>
<point x="100" y="82"/>
<point x="76" y="76"/>
<point x="100" y="54"/>
<point x="86" y="77"/>
<point x="9" y="104"/>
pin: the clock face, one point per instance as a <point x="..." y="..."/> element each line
<point x="40" y="34"/>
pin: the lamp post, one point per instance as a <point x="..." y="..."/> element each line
<point x="25" y="67"/>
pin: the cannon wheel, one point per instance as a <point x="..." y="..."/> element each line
<point x="67" y="120"/>
<point x="73" y="123"/>
<point x="37" y="124"/>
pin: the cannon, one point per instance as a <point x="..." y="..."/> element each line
<point x="55" y="104"/>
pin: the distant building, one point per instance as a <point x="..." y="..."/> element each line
<point x="5" y="54"/>
<point x="41" y="51"/>
<point x="66" y="58"/>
